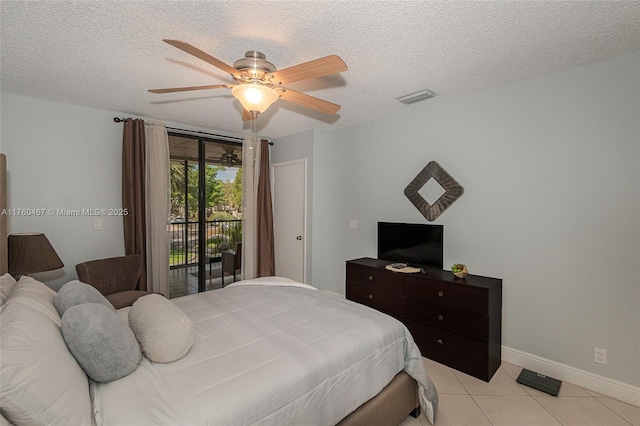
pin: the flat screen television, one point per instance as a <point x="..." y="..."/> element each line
<point x="412" y="243"/>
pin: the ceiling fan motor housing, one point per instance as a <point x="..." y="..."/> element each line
<point x="255" y="63"/>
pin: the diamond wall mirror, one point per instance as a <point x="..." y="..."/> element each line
<point x="452" y="191"/>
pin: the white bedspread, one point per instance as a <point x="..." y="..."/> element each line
<point x="266" y="355"/>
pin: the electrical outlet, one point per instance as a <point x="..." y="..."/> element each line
<point x="600" y="356"/>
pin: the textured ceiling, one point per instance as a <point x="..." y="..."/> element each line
<point x="106" y="54"/>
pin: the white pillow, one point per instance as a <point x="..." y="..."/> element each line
<point x="41" y="381"/>
<point x="36" y="295"/>
<point x="6" y="285"/>
<point x="4" y="421"/>
<point x="165" y="332"/>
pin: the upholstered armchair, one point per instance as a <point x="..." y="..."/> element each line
<point x="117" y="278"/>
<point x="231" y="262"/>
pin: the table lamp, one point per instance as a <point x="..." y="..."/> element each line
<point x="31" y="252"/>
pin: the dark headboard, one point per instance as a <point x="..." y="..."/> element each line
<point x="3" y="217"/>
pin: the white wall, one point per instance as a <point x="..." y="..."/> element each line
<point x="62" y="156"/>
<point x="551" y="172"/>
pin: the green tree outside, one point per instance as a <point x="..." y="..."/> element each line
<point x="221" y="196"/>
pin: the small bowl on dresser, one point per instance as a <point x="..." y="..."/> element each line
<point x="460" y="270"/>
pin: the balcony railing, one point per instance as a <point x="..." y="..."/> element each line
<point x="184" y="238"/>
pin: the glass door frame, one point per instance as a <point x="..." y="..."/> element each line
<point x="202" y="196"/>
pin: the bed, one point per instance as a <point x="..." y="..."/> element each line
<point x="267" y="352"/>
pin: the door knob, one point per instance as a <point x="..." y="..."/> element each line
<point x="299" y="238"/>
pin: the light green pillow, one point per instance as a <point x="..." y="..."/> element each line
<point x="101" y="342"/>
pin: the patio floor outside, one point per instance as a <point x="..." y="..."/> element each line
<point x="184" y="281"/>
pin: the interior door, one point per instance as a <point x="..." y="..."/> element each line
<point x="289" y="213"/>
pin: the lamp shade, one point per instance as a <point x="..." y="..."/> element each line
<point x="30" y="253"/>
<point x="255" y="97"/>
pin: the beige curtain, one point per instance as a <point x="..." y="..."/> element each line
<point x="250" y="157"/>
<point x="134" y="190"/>
<point x="257" y="216"/>
<point x="145" y="196"/>
<point x="157" y="207"/>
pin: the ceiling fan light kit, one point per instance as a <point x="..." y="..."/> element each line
<point x="259" y="81"/>
<point x="254" y="97"/>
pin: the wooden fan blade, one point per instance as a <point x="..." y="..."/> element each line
<point x="324" y="66"/>
<point x="186" y="89"/>
<point x="308" y="101"/>
<point x="202" y="55"/>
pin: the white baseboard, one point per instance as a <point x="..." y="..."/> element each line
<point x="594" y="382"/>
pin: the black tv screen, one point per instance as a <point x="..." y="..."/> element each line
<point x="411" y="243"/>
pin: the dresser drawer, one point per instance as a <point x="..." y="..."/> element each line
<point x="467" y="355"/>
<point x="378" y="298"/>
<point x="456" y="322"/>
<point x="458" y="296"/>
<point x="466" y="323"/>
<point x="391" y="282"/>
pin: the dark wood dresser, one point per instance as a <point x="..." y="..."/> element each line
<point x="456" y="322"/>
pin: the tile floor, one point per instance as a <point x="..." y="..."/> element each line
<point x="467" y="401"/>
<point x="182" y="282"/>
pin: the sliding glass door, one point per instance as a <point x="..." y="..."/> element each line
<point x="206" y="199"/>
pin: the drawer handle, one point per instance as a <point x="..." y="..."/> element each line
<point x="439" y="341"/>
<point x="440" y="317"/>
<point x="370" y="277"/>
<point x="371" y="296"/>
<point x="440" y="293"/>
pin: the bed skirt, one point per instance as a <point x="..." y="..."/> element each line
<point x="390" y="407"/>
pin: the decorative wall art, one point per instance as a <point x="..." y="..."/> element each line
<point x="453" y="191"/>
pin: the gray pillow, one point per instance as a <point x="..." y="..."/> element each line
<point x="164" y="331"/>
<point x="75" y="293"/>
<point x="100" y="341"/>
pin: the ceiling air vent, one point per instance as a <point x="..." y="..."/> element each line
<point x="417" y="96"/>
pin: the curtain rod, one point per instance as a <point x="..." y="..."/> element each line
<point x="119" y="120"/>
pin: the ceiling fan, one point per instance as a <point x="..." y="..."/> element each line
<point x="230" y="159"/>
<point x="260" y="82"/>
